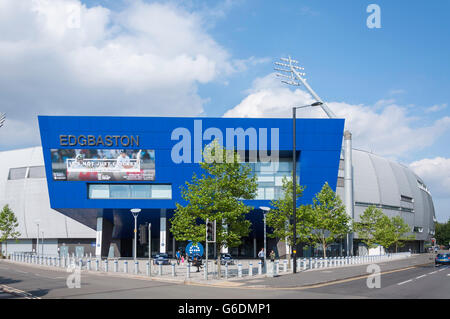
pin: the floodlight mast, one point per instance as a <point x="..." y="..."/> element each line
<point x="295" y="76"/>
<point x="291" y="72"/>
<point x="2" y="119"/>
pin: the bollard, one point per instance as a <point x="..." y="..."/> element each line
<point x="173" y="270"/>
<point x="88" y="264"/>
<point x="326" y="262"/>
<point x="58" y="262"/>
<point x="80" y="264"/>
<point x="292" y="264"/>
<point x="239" y="270"/>
<point x="188" y="270"/>
<point x="160" y="269"/>
<point x="250" y="269"/>
<point x="304" y="264"/>
<point x="106" y="265"/>
<point x="125" y="266"/>
<point x="136" y="267"/>
<point x="148" y="268"/>
<point x="96" y="265"/>
<point x="259" y="268"/>
<point x="299" y="261"/>
<point x="277" y="268"/>
<point x="226" y="270"/>
<point x="116" y="265"/>
<point x="285" y="265"/>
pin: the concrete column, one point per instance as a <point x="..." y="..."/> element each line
<point x="103" y="237"/>
<point x="348" y="186"/>
<point x="163" y="231"/>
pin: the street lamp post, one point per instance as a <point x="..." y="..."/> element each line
<point x="294" y="182"/>
<point x="150" y="246"/>
<point x="135" y="212"/>
<point x="265" y="210"/>
<point x="37" y="238"/>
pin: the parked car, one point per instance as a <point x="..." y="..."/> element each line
<point x="226" y="259"/>
<point x="162" y="259"/>
<point x="442" y="259"/>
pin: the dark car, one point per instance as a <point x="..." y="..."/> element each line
<point x="442" y="259"/>
<point x="226" y="259"/>
<point x="161" y="259"/>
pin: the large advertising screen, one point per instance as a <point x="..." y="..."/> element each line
<point x="103" y="165"/>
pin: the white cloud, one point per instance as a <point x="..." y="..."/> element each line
<point x="59" y="57"/>
<point x="436" y="108"/>
<point x="385" y="127"/>
<point x="436" y="174"/>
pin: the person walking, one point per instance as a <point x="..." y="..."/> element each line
<point x="178" y="254"/>
<point x="261" y="256"/>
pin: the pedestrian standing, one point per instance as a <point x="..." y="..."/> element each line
<point x="272" y="256"/>
<point x="261" y="256"/>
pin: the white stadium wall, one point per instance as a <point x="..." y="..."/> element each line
<point x="28" y="198"/>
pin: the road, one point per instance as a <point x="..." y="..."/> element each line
<point x="24" y="281"/>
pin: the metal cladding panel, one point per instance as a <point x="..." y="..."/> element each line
<point x="365" y="181"/>
<point x="402" y="181"/>
<point x="389" y="192"/>
<point x="318" y="143"/>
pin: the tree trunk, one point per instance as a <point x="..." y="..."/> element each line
<point x="6" y="249"/>
<point x="324" y="247"/>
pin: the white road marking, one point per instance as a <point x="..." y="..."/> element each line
<point x="420" y="276"/>
<point x="404" y="282"/>
<point x="433" y="272"/>
<point x="23" y="272"/>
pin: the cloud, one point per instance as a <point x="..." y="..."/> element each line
<point x="436" y="108"/>
<point x="384" y="128"/>
<point x="59" y="57"/>
<point x="436" y="173"/>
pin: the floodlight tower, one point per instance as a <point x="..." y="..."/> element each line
<point x="294" y="75"/>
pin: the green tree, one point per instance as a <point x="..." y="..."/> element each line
<point x="397" y="230"/>
<point x="8" y="225"/>
<point x="371" y="227"/>
<point x="218" y="196"/>
<point x="442" y="233"/>
<point x="280" y="216"/>
<point x="329" y="219"/>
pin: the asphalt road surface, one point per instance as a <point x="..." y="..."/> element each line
<point x="22" y="281"/>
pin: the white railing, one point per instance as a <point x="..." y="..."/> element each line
<point x="239" y="269"/>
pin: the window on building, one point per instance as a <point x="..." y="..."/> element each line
<point x="36" y="172"/>
<point x="407" y="199"/>
<point x="17" y="173"/>
<point x="270" y="178"/>
<point x="130" y="191"/>
<point x="418" y="229"/>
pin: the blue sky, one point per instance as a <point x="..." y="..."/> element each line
<point x="392" y="84"/>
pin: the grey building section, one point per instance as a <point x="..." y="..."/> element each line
<point x="23" y="187"/>
<point x="395" y="189"/>
<point x="377" y="181"/>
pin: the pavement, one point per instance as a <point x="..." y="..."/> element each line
<point x="416" y="277"/>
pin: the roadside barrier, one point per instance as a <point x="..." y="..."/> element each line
<point x="106" y="265"/>
<point x="136" y="267"/>
<point x="125" y="266"/>
<point x="250" y="269"/>
<point x="239" y="270"/>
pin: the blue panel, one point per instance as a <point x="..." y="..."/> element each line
<point x="318" y="143"/>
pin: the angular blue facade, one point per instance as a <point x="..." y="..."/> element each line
<point x="318" y="150"/>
